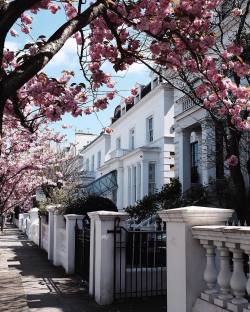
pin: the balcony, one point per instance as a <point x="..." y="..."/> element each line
<point x="186" y="103"/>
<point x="118" y="153"/>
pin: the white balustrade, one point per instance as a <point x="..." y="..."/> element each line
<point x="210" y="273"/>
<point x="186" y="103"/>
<point x="224" y="275"/>
<point x="238" y="280"/>
<point x="228" y="287"/>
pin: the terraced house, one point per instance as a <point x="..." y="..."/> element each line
<point x="137" y="158"/>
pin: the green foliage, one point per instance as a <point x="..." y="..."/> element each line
<point x="59" y="196"/>
<point x="89" y="203"/>
<point x="144" y="208"/>
<point x="169" y="197"/>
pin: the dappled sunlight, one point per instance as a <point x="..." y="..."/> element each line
<point x="29" y="282"/>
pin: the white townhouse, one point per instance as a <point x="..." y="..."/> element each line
<point x="137" y="158"/>
<point x="198" y="145"/>
<point x="195" y="137"/>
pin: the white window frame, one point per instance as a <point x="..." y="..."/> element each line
<point x="134" y="184"/>
<point x="150" y="131"/>
<point x="132" y="138"/>
<point x="138" y="181"/>
<point x="129" y="186"/>
<point x="151" y="182"/>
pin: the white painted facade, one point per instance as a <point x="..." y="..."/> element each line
<point x="141" y="147"/>
<point x="192" y="127"/>
<point x="82" y="139"/>
<point x="195" y="133"/>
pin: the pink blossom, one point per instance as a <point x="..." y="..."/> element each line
<point x="13" y="33"/>
<point x="53" y="8"/>
<point x="236" y="12"/>
<point x="134" y="91"/>
<point x="25" y="29"/>
<point x="232" y="161"/>
<point x="108" y="130"/>
<point x="26" y="19"/>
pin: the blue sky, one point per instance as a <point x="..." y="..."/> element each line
<point x="45" y="24"/>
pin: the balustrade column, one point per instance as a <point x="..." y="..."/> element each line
<point x="210" y="273"/>
<point x="224" y="276"/>
<point x="238" y="280"/>
<point x="247" y="251"/>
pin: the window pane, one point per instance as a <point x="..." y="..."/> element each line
<point x="150" y="137"/>
<point x="151" y="178"/>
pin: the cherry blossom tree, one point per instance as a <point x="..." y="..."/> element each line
<point x="187" y="42"/>
<point x="23" y="161"/>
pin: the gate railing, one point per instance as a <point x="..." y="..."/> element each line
<point x="82" y="249"/>
<point x="139" y="262"/>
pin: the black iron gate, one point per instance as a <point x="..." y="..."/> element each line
<point x="82" y="249"/>
<point x="139" y="262"/>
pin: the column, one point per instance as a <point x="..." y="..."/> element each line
<point x="92" y="255"/>
<point x="102" y="287"/>
<point x="34" y="225"/>
<point x="138" y="182"/>
<point x="184" y="158"/>
<point x="247" y="251"/>
<point x="120" y="182"/>
<point x="51" y="210"/>
<point x="20" y="221"/>
<point x="58" y="223"/>
<point x="224" y="276"/>
<point x="43" y="221"/>
<point x="210" y="273"/>
<point x="71" y="220"/>
<point x="186" y="259"/>
<point x="25" y="216"/>
<point x="144" y="178"/>
<point x="208" y="160"/>
<point x="238" y="280"/>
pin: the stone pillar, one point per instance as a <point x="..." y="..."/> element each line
<point x="51" y="210"/>
<point x="144" y="178"/>
<point x="184" y="158"/>
<point x="186" y="259"/>
<point x="71" y="220"/>
<point x="102" y="254"/>
<point x="120" y="182"/>
<point x="20" y="221"/>
<point x="25" y="217"/>
<point x="34" y="226"/>
<point x="43" y="221"/>
<point x="58" y="223"/>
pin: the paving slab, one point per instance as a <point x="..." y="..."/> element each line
<point x="30" y="283"/>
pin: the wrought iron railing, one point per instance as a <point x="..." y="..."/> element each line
<point x="82" y="249"/>
<point x="139" y="262"/>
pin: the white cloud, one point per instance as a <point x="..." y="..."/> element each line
<point x="67" y="56"/>
<point x="11" y="45"/>
<point x="137" y="68"/>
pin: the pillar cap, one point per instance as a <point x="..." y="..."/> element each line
<point x="196" y="215"/>
<point x="108" y="215"/>
<point x="73" y="217"/>
<point x="52" y="208"/>
<point x="34" y="209"/>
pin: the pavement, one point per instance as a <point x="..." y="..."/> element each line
<point x="30" y="283"/>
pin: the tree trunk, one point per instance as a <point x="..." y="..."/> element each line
<point x="242" y="209"/>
